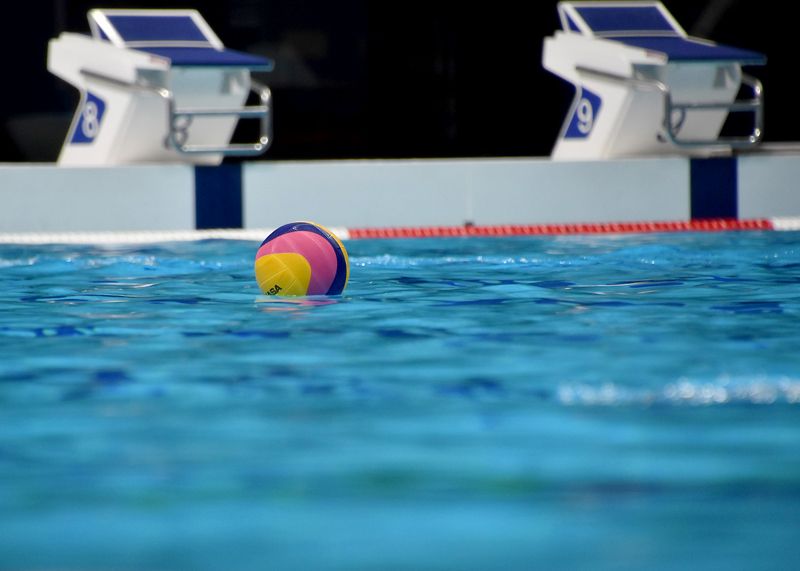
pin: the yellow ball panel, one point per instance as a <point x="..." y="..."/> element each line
<point x="283" y="274"/>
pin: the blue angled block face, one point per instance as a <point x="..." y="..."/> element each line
<point x="91" y="118"/>
<point x="141" y="28"/>
<point x="584" y="115"/>
<point x="608" y="19"/>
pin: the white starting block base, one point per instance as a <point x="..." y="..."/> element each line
<point x="157" y="86"/>
<point x="643" y="87"/>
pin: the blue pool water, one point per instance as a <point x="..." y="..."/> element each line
<point x="523" y="403"/>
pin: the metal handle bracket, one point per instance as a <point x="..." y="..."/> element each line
<point x="754" y="105"/>
<point x="176" y="133"/>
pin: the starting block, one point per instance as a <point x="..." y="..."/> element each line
<point x="157" y="86"/>
<point x="644" y="87"/>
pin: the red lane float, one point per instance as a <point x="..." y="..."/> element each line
<point x="709" y="225"/>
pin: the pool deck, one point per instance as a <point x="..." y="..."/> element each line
<point x="371" y="198"/>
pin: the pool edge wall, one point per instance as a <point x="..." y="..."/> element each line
<point x="401" y="192"/>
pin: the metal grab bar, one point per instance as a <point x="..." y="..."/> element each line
<point x="754" y="105"/>
<point x="177" y="133"/>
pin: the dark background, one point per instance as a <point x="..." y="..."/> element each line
<point x="364" y="79"/>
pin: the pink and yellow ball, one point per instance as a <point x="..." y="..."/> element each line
<point x="302" y="258"/>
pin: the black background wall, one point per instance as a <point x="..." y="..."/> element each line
<point x="367" y="79"/>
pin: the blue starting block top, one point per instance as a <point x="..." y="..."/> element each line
<point x="181" y="36"/>
<point x="648" y="26"/>
<point x="199" y="56"/>
<point x="690" y="49"/>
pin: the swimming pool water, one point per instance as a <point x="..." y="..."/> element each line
<point x="614" y="402"/>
